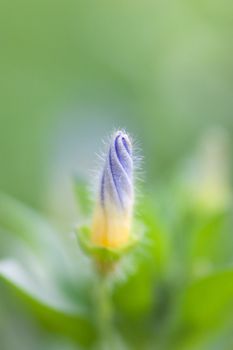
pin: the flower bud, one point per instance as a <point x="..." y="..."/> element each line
<point x="113" y="213"/>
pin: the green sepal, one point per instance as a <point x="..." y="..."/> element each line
<point x="102" y="254"/>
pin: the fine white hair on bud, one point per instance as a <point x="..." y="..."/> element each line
<point x="113" y="213"/>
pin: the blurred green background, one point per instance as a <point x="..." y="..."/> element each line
<point x="72" y="71"/>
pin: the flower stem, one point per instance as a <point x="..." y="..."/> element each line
<point x="105" y="313"/>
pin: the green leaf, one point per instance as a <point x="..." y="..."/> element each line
<point x="46" y="269"/>
<point x="53" y="309"/>
<point x="209" y="300"/>
<point x="156" y="238"/>
<point x="208" y="237"/>
<point x="39" y="289"/>
<point x="27" y="236"/>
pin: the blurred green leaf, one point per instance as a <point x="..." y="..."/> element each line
<point x="27" y="236"/>
<point x="43" y="268"/>
<point x="156" y="239"/>
<point x="54" y="319"/>
<point x="208" y="237"/>
<point x="12" y="272"/>
<point x="209" y="300"/>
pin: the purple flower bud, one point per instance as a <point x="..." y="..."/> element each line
<point x="112" y="220"/>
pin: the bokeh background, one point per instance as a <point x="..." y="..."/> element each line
<point x="72" y="71"/>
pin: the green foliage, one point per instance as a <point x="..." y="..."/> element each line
<point x="45" y="274"/>
<point x="172" y="288"/>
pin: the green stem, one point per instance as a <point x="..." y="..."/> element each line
<point x="105" y="313"/>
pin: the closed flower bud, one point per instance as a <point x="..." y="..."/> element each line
<point x="113" y="213"/>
